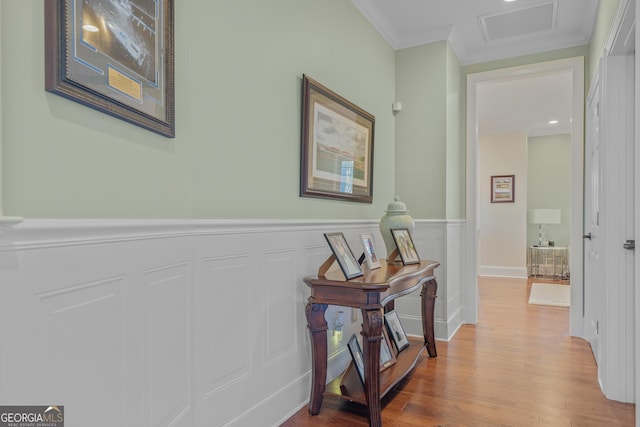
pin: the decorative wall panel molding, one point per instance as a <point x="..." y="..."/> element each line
<point x="181" y="323"/>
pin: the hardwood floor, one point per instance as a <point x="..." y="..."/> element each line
<point x="517" y="367"/>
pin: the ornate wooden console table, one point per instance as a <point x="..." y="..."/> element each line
<point x="372" y="292"/>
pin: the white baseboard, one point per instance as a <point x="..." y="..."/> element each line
<point x="446" y="330"/>
<point x="499" y="271"/>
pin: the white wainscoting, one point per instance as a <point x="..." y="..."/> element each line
<point x="444" y="242"/>
<point x="182" y="323"/>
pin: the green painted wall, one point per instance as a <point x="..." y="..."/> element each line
<point x="429" y="170"/>
<point x="421" y="129"/>
<point x="238" y="94"/>
<point x="604" y="19"/>
<point x="431" y="129"/>
<point x="549" y="184"/>
<point x="456" y="155"/>
<point x="238" y="88"/>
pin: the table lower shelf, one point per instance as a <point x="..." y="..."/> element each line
<point x="349" y="387"/>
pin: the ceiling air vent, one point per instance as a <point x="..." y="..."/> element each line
<point x="519" y="22"/>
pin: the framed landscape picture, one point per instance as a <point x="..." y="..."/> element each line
<point x="337" y="146"/>
<point x="115" y="56"/>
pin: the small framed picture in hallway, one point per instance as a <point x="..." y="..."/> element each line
<point x="396" y="330"/>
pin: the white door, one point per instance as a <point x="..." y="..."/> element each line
<point x="593" y="186"/>
<point x="609" y="217"/>
<point x="609" y="211"/>
<point x="616" y="224"/>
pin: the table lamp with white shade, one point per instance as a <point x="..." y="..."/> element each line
<point x="543" y="217"/>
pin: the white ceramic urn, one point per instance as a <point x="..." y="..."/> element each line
<point x="397" y="216"/>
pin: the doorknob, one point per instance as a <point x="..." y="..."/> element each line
<point x="587" y="236"/>
<point x="630" y="244"/>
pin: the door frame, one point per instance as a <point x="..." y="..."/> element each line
<point x="637" y="209"/>
<point x="576" y="67"/>
<point x="593" y="199"/>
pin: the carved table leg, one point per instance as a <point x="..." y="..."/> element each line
<point x="318" y="333"/>
<point x="371" y="337"/>
<point x="428" y="294"/>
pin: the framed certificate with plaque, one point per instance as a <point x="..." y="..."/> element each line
<point x="115" y="56"/>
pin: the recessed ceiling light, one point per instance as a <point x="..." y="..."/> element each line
<point x="508" y="1"/>
<point x="553" y="122"/>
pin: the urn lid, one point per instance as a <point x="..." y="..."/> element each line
<point x="397" y="207"/>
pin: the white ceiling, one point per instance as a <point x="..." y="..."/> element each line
<point x="486" y="30"/>
<point x="483" y="30"/>
<point x="526" y="105"/>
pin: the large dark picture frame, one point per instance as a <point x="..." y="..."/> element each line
<point x="115" y="56"/>
<point x="337" y="146"/>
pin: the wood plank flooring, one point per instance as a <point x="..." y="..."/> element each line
<point x="517" y="367"/>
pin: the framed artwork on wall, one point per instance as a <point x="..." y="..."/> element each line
<point x="115" y="56"/>
<point x="337" y="146"/>
<point x="503" y="188"/>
